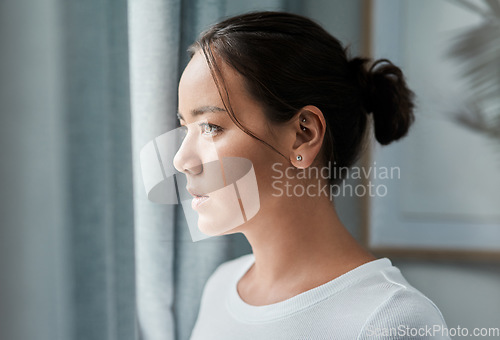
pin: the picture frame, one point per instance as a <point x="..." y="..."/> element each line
<point x="443" y="205"/>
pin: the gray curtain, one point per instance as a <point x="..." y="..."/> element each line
<point x="154" y="40"/>
<point x="66" y="221"/>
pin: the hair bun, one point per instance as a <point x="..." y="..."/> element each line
<point x="385" y="94"/>
<point x="358" y="69"/>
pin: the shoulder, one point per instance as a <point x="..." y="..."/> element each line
<point x="392" y="308"/>
<point x="406" y="314"/>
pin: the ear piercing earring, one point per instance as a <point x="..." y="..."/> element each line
<point x="303" y="127"/>
<point x="299" y="157"/>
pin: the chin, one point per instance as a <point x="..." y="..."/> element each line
<point x="219" y="217"/>
<point x="218" y="225"/>
<point x="209" y="227"/>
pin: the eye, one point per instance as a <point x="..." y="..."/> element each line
<point x="211" y="130"/>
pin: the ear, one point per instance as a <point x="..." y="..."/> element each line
<point x="309" y="126"/>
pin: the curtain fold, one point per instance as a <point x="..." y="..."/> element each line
<point x="67" y="237"/>
<point x="98" y="156"/>
<point x="32" y="225"/>
<point x="154" y="28"/>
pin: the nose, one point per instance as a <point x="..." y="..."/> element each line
<point x="187" y="160"/>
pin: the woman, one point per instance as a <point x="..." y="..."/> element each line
<point x="278" y="90"/>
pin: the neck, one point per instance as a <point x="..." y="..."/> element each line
<point x="306" y="241"/>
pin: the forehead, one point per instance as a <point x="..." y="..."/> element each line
<point x="196" y="78"/>
<point x="197" y="89"/>
<point x="197" y="86"/>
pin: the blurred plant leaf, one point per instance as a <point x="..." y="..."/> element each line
<point x="478" y="49"/>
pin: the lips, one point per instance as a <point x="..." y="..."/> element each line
<point x="197" y="201"/>
<point x="198" y="198"/>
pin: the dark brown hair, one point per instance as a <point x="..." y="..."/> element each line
<point x="288" y="62"/>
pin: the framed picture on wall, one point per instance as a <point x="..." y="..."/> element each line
<point x="440" y="193"/>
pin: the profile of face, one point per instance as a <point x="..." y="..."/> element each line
<point x="212" y="137"/>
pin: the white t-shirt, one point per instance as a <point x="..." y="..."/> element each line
<point x="372" y="301"/>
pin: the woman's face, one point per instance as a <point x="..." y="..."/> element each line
<point x="212" y="136"/>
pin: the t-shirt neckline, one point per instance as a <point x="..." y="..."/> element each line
<point x="255" y="314"/>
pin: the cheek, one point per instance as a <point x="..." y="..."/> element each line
<point x="239" y="144"/>
<point x="234" y="143"/>
<point x="261" y="156"/>
<point x="264" y="160"/>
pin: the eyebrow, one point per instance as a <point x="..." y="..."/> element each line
<point x="201" y="110"/>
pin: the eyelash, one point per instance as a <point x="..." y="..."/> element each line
<point x="215" y="129"/>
